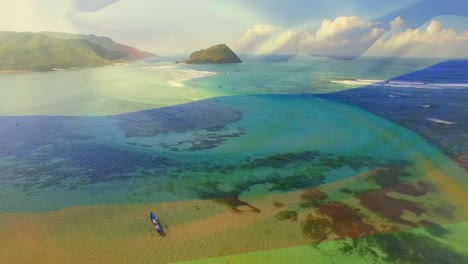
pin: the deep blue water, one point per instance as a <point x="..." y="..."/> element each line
<point x="414" y="108"/>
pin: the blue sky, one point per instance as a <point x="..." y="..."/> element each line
<point x="174" y="27"/>
<point x="296" y="12"/>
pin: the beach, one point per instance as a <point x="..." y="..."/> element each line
<point x="203" y="229"/>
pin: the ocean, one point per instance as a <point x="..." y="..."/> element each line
<point x="352" y="156"/>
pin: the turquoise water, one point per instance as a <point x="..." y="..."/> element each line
<point x="304" y="74"/>
<point x="69" y="161"/>
<point x="253" y="140"/>
<point x="113" y="134"/>
<point x="141" y="86"/>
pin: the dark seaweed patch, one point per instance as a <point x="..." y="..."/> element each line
<point x="316" y="228"/>
<point x="201" y="142"/>
<point x="312" y="197"/>
<point x="206" y="114"/>
<point x="234" y="203"/>
<point x="298" y="171"/>
<point x="426" y="186"/>
<point x="357" y="192"/>
<point x="404" y="247"/>
<point x="104" y="162"/>
<point x="211" y="189"/>
<point x="335" y="218"/>
<point x="230" y="198"/>
<point x="312" y="194"/>
<point x="91" y="163"/>
<point x="287" y="215"/>
<point x="280" y="160"/>
<point x="436" y="230"/>
<point x="390" y="176"/>
<point x="388" y="207"/>
<point x="406" y="189"/>
<point x="445" y="210"/>
<point x="346" y="190"/>
<point x="319" y="161"/>
<point x="297" y="182"/>
<point x="345" y="221"/>
<point x="278" y="204"/>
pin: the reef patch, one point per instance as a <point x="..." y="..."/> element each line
<point x="206" y="114"/>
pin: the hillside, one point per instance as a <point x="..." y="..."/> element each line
<point x="25" y="51"/>
<point x="217" y="54"/>
<point x="118" y="50"/>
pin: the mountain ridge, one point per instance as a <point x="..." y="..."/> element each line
<point x="45" y="51"/>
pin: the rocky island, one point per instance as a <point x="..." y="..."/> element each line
<point x="215" y="55"/>
<point x="45" y="51"/>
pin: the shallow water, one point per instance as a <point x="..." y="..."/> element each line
<point x="236" y="174"/>
<point x="135" y="157"/>
<point x="144" y="85"/>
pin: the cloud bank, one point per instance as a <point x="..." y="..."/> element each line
<point x="341" y="36"/>
<point x="352" y="36"/>
<point x="396" y="23"/>
<point x="430" y="41"/>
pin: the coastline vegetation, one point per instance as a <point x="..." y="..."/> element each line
<point x="26" y="51"/>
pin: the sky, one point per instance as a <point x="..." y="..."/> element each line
<point x="322" y="27"/>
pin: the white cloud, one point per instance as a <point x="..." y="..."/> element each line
<point x="431" y="41"/>
<point x="396" y="23"/>
<point x="342" y="25"/>
<point x="341" y="36"/>
<point x="255" y="36"/>
<point x="353" y="36"/>
<point x="261" y="30"/>
<point x="434" y="27"/>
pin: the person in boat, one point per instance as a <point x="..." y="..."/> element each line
<point x="155" y="222"/>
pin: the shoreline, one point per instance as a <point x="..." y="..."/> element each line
<point x="13" y="71"/>
<point x="55" y="69"/>
<point x="221" y="231"/>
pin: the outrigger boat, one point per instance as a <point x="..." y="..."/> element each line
<point x="155" y="222"/>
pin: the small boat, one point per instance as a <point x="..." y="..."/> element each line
<point x="155" y="222"/>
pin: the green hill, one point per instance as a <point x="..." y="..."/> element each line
<point x="217" y="54"/>
<point x="118" y="50"/>
<point x="25" y="51"/>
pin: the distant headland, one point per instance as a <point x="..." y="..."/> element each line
<point x="218" y="54"/>
<point x="46" y="51"/>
